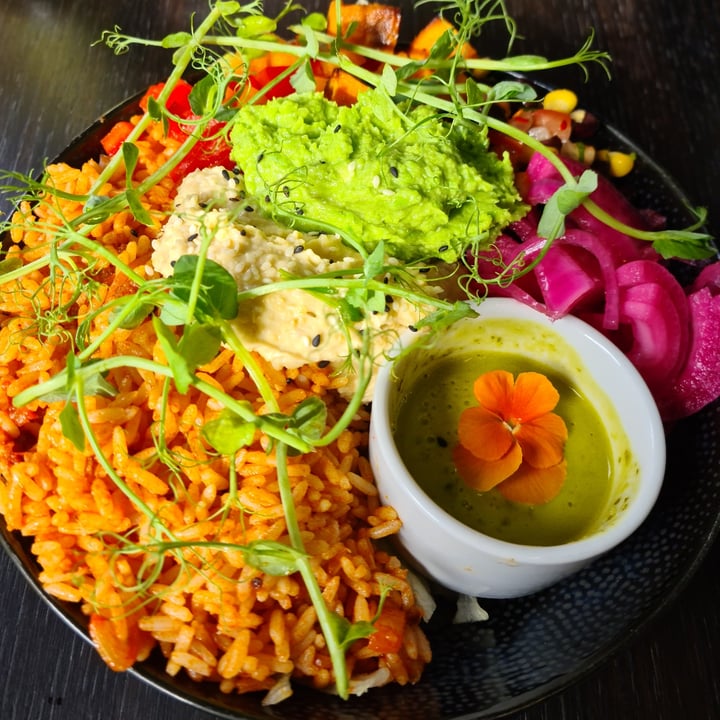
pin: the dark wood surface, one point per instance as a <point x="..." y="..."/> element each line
<point x="664" y="94"/>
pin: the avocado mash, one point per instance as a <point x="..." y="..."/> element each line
<point x="371" y="172"/>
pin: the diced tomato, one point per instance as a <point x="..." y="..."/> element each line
<point x="206" y="153"/>
<point x="558" y="124"/>
<point x="518" y="152"/>
<point x="543" y="124"/>
<point x="116" y="136"/>
<point x="389" y="630"/>
<point x="522" y="119"/>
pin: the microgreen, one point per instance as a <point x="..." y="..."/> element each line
<point x="69" y="416"/>
<point x="563" y="201"/>
<point x="130" y="155"/>
<point x="228" y="433"/>
<point x="690" y="243"/>
<point x="215" y="286"/>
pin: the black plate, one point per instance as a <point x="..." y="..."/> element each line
<point x="530" y="647"/>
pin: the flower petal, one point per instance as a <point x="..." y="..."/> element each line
<point x="482" y="475"/>
<point x="534" y="395"/>
<point x="494" y="391"/>
<point x="484" y="434"/>
<point x="542" y="440"/>
<point x="534" y="486"/>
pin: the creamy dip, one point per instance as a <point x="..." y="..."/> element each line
<point x="287" y="327"/>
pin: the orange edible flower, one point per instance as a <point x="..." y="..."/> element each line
<point x="512" y="439"/>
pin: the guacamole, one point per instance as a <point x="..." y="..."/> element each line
<point x="425" y="187"/>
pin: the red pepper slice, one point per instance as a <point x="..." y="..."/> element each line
<point x="116" y="136"/>
<point x="178" y="104"/>
<point x="261" y="78"/>
<point x="209" y="151"/>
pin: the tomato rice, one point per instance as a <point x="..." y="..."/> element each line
<point x="209" y="613"/>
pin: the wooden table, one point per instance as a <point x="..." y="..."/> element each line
<point x="665" y="95"/>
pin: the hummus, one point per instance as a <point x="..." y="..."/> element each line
<point x="289" y="328"/>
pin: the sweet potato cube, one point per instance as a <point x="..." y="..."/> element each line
<point x="373" y="25"/>
<point x="423" y="42"/>
<point x="343" y="88"/>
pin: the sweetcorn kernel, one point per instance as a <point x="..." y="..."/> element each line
<point x="620" y="163"/>
<point x="561" y="100"/>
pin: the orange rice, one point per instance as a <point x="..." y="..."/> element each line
<point x="211" y="615"/>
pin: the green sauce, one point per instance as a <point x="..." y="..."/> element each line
<point x="426" y="432"/>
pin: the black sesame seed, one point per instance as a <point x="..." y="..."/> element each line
<point x="299" y="211"/>
<point x="256" y="582"/>
<point x="389" y="299"/>
<point x="315" y="341"/>
<point x="172" y="263"/>
<point x="203" y="205"/>
<point x="249" y="208"/>
<point x="236" y="171"/>
<point x="243" y="232"/>
<point x="412" y="328"/>
<point x="192" y="238"/>
<point x="298" y="249"/>
<point x="226" y="174"/>
<point x="260" y="157"/>
<point x="386" y="279"/>
<point x="441" y="441"/>
<point x="267" y="198"/>
<point x="323" y="363"/>
<point x="394" y="171"/>
<point x="443" y="248"/>
<point x="286" y="191"/>
<point x="337" y="128"/>
<point x="424" y="270"/>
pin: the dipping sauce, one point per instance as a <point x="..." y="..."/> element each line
<point x="425" y="430"/>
